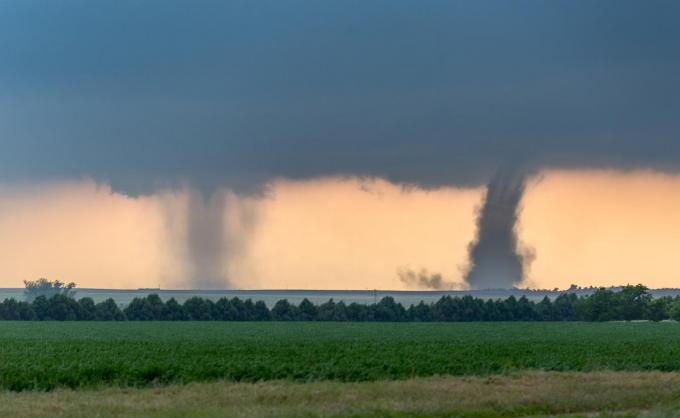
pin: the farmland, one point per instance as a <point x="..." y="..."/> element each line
<point x="49" y="355"/>
<point x="620" y="394"/>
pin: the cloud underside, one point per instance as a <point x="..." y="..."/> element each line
<point x="231" y="95"/>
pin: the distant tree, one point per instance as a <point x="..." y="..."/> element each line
<point x="564" y="307"/>
<point x="471" y="309"/>
<point x="199" y="309"/>
<point x="360" y="312"/>
<point x="331" y="311"/>
<point x="307" y="311"/>
<point x="261" y="312"/>
<point x="599" y="306"/>
<point x="326" y="310"/>
<point x="108" y="311"/>
<point x="239" y="310"/>
<point x="223" y="311"/>
<point x="174" y="311"/>
<point x="387" y="310"/>
<point x="26" y="312"/>
<point x="491" y="311"/>
<point x="420" y="312"/>
<point x="509" y="309"/>
<point x="545" y="310"/>
<point x="87" y="310"/>
<point x="9" y="310"/>
<point x="657" y="309"/>
<point x="340" y="312"/>
<point x="62" y="308"/>
<point x="249" y="309"/>
<point x="445" y="309"/>
<point x="633" y="301"/>
<point x="674" y="310"/>
<point x="13" y="310"/>
<point x="156" y="306"/>
<point x="604" y="304"/>
<point x="47" y="288"/>
<point x="139" y="310"/>
<point x="41" y="307"/>
<point x="284" y="311"/>
<point x="526" y="310"/>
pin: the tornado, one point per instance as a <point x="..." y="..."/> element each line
<point x="206" y="239"/>
<point x="495" y="260"/>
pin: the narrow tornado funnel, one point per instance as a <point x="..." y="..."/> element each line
<point x="495" y="259"/>
<point x="205" y="239"/>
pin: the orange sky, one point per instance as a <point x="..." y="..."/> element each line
<point x="587" y="227"/>
<point x="602" y="228"/>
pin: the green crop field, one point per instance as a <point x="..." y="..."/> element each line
<point x="48" y="355"/>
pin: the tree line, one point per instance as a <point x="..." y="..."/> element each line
<point x="630" y="303"/>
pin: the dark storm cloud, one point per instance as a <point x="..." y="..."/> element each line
<point x="212" y="93"/>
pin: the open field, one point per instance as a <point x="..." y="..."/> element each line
<point x="48" y="355"/>
<point x="651" y="394"/>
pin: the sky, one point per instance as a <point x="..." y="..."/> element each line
<point x="305" y="144"/>
<point x="586" y="227"/>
